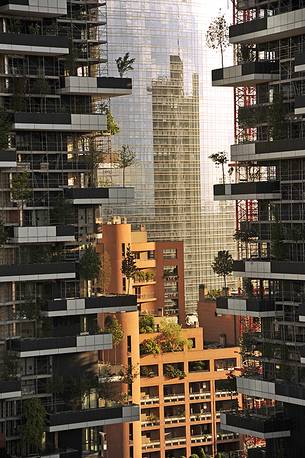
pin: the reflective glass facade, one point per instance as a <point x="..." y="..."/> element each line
<point x="171" y="123"/>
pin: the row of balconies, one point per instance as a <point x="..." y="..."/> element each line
<point x="272" y="270"/>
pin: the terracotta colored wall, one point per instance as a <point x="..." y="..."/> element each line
<point x="215" y="326"/>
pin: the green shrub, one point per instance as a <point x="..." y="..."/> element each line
<point x="150" y="347"/>
<point x="146" y="324"/>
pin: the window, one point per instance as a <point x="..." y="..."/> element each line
<point x="224" y="364"/>
<point x="129" y="344"/>
<point x="199" y="366"/>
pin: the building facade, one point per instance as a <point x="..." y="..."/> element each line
<point x="182" y="388"/>
<point x="269" y="158"/>
<point x="51" y="54"/>
<point x="172" y="125"/>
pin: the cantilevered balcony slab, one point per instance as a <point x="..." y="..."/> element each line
<point x="256" y="424"/>
<point x="8" y="159"/>
<point x="44" y="346"/>
<point x="301" y="313"/>
<point x="239" y="306"/>
<point x="89" y="418"/>
<point x="247" y="74"/>
<point x="37" y="272"/>
<point x="10" y="389"/>
<point x="269" y="28"/>
<point x="32" y="8"/>
<point x="31" y="44"/>
<point x="273" y="270"/>
<point x="265" y="151"/>
<point x="299" y="63"/>
<point x="260" y="190"/>
<point x="299" y="105"/>
<point x="43" y="234"/>
<point x="59" y="122"/>
<point x="291" y="393"/>
<point x="91" y="305"/>
<point x="99" y="196"/>
<point x="100" y="86"/>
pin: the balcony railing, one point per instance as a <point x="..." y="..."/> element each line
<point x="62" y="421"/>
<point x="91" y="305"/>
<point x="249" y="73"/>
<point x="52" y="45"/>
<point x="262" y="423"/>
<point x="29" y="347"/>
<point x="202" y="395"/>
<point x="174" y="397"/>
<point x="260" y="190"/>
<point x="252" y="306"/>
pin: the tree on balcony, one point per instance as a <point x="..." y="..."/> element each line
<point x="113" y="326"/>
<point x="217" y="36"/>
<point x="112" y="125"/>
<point x="129" y="267"/>
<point x="21" y="190"/>
<point x="89" y="266"/>
<point x="5" y="128"/>
<point x="221" y="159"/>
<point x="3" y="234"/>
<point x="62" y="211"/>
<point x="223" y="265"/>
<point x="146" y="324"/>
<point x="33" y="423"/>
<point x="126" y="158"/>
<point x="150" y="347"/>
<point x="277" y="117"/>
<point x="171" y="337"/>
<point x="277" y="248"/>
<point x="124" y="64"/>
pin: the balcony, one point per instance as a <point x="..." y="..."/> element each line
<point x="89" y="418"/>
<point x="91" y="305"/>
<point x="99" y="196"/>
<point x="269" y="28"/>
<point x="266" y="151"/>
<point x="201" y="416"/>
<point x="31" y="44"/>
<point x="247" y="74"/>
<point x="151" y="444"/>
<point x="175" y="442"/>
<point x="43" y="234"/>
<point x="299" y="63"/>
<point x="37" y="272"/>
<point x="174" y="420"/>
<point x="102" y="87"/>
<point x="202" y="438"/>
<point x="265" y="269"/>
<point x="174" y="398"/>
<point x="10" y="389"/>
<point x="299" y="105"/>
<point x="302" y="313"/>
<point x="239" y="306"/>
<point x="262" y="423"/>
<point x="257" y="452"/>
<point x="44" y="346"/>
<point x="198" y="396"/>
<point x="63" y="122"/>
<point x="147" y="400"/>
<point x="292" y="393"/>
<point x="33" y="8"/>
<point x="258" y="190"/>
<point x="8" y="159"/>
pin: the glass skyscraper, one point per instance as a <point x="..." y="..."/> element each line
<point x="170" y="121"/>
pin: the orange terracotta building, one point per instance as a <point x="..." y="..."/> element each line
<point x="181" y="392"/>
